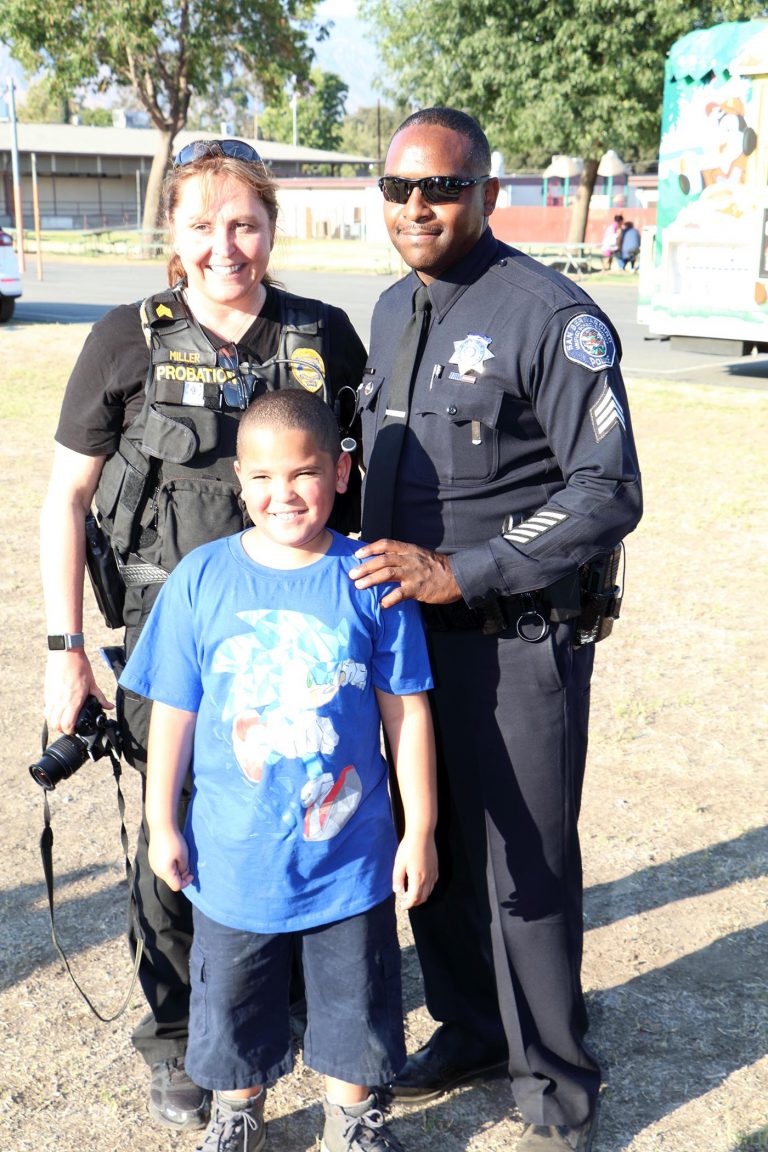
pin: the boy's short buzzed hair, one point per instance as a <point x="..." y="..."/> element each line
<point x="292" y="408"/>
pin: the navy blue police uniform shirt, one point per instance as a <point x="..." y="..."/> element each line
<point x="519" y="408"/>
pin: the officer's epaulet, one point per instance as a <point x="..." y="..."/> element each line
<point x="163" y="310"/>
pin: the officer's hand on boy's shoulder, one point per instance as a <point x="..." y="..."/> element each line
<point x="420" y="574"/>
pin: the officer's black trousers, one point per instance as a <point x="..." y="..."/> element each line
<point x="161" y="916"/>
<point x="500" y="940"/>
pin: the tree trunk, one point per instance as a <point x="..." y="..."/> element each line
<point x="151" y="243"/>
<point x="580" y="210"/>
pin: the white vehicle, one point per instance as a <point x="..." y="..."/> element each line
<point x="10" y="281"/>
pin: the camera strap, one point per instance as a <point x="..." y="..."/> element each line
<point x="46" y="852"/>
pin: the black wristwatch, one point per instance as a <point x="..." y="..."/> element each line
<point x="65" y="642"/>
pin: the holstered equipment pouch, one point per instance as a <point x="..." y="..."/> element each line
<point x="177" y="433"/>
<point x="122" y="493"/>
<point x="108" y="588"/>
<point x="600" y="598"/>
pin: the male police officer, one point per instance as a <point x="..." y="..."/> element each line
<point x="517" y="473"/>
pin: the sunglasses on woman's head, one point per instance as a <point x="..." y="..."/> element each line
<point x="234" y="149"/>
<point x="434" y="189"/>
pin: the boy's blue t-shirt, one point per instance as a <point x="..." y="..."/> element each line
<point x="290" y="824"/>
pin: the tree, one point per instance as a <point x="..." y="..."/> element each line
<point x="319" y="112"/>
<point x="45" y="103"/>
<point x="577" y="77"/>
<point x="96" y="117"/>
<point x="42" y="104"/>
<point x="229" y="100"/>
<point x="164" y="53"/>
<point x="367" y="131"/>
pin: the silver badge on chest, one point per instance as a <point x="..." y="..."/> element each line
<point x="471" y="353"/>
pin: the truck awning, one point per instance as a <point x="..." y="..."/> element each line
<point x="736" y="48"/>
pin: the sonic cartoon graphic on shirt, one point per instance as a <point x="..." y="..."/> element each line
<point x="283" y="673"/>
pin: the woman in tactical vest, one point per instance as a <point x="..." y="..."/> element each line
<point x="147" y="430"/>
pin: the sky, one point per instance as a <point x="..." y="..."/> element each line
<point x="8" y="68"/>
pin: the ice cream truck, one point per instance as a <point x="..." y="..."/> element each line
<point x="704" y="271"/>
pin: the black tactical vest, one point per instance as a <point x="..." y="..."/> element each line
<point x="170" y="485"/>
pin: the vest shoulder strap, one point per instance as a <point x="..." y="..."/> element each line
<point x="302" y="314"/>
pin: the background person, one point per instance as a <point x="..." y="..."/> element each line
<point x="517" y="469"/>
<point x="160" y="461"/>
<point x="262" y="655"/>
<point x="610" y="241"/>
<point x="629" y="246"/>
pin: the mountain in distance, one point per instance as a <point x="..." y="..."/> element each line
<point x="349" y="51"/>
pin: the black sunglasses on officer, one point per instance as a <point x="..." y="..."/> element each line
<point x="434" y="189"/>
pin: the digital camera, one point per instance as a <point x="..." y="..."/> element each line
<point x="95" y="735"/>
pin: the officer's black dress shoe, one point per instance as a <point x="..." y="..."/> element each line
<point x="438" y="1067"/>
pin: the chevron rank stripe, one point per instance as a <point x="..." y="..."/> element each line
<point x="606" y="414"/>
<point x="535" y="526"/>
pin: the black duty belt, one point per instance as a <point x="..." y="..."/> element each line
<point x="525" y="612"/>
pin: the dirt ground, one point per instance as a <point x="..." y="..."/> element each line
<point x="674" y="837"/>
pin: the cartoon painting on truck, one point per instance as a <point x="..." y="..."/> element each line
<point x="707" y="273"/>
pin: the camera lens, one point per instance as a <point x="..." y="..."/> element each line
<point x="58" y="762"/>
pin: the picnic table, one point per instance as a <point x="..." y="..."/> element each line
<point x="577" y="258"/>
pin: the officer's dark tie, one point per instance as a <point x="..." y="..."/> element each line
<point x="379" y="492"/>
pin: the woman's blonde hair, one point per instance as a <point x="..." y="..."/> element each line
<point x="206" y="169"/>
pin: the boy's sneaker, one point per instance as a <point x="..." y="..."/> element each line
<point x="174" y="1100"/>
<point x="236" y="1126"/>
<point x="357" y="1128"/>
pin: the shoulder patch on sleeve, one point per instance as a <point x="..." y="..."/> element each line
<point x="588" y="341"/>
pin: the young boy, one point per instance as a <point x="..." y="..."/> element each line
<point x="264" y="660"/>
